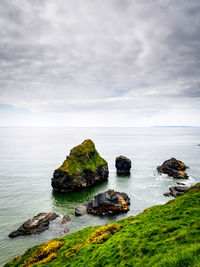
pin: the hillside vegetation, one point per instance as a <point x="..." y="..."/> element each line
<point x="164" y="235"/>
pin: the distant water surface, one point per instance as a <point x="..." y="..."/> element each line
<point x="30" y="155"/>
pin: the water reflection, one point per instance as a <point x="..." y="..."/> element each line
<point x="126" y="175"/>
<point x="66" y="203"/>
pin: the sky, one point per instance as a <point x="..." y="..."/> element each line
<point x="111" y="63"/>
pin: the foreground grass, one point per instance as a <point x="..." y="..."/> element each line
<point x="164" y="235"/>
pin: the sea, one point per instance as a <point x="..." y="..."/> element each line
<point x="30" y="155"/>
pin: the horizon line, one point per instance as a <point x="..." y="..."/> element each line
<point x="154" y="126"/>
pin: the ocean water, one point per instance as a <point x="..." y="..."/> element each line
<point x="30" y="155"/>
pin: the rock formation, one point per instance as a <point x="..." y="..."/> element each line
<point x="35" y="225"/>
<point x="81" y="209"/>
<point x="176" y="191"/>
<point x="174" y="168"/>
<point x="82" y="168"/>
<point x="65" y="220"/>
<point x="163" y="235"/>
<point x="123" y="165"/>
<point x="105" y="203"/>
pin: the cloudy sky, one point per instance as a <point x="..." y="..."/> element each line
<point x="99" y="62"/>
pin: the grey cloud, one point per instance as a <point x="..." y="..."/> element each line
<point x="61" y="56"/>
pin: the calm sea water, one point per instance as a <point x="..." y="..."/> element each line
<point x="30" y="155"/>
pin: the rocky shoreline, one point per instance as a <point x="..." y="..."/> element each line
<point x="83" y="168"/>
<point x="140" y="240"/>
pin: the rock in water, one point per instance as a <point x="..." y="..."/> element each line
<point x="174" y="168"/>
<point x="123" y="165"/>
<point x="65" y="220"/>
<point x="178" y="183"/>
<point x="81" y="209"/>
<point x="109" y="202"/>
<point x="63" y="232"/>
<point x="82" y="168"/>
<point x="36" y="225"/>
<point x="167" y="194"/>
<point x="176" y="191"/>
<point x="105" y="203"/>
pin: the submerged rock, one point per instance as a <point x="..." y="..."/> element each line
<point x="105" y="203"/>
<point x="178" y="183"/>
<point x="36" y="225"/>
<point x="174" y="168"/>
<point x="81" y="209"/>
<point x="63" y="232"/>
<point x="82" y="168"/>
<point x="123" y="165"/>
<point x="168" y="194"/>
<point x="65" y="220"/>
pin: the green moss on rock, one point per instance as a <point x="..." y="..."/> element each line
<point x="83" y="167"/>
<point x="81" y="157"/>
<point x="163" y="235"/>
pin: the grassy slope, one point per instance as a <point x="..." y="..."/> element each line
<point x="164" y="235"/>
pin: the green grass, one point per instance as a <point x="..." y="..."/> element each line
<point x="82" y="157"/>
<point x="164" y="235"/>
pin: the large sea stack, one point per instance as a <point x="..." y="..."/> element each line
<point x="82" y="168"/>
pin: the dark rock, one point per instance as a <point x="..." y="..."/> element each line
<point x="174" y="168"/>
<point x="123" y="165"/>
<point x="106" y="203"/>
<point x="180" y="183"/>
<point x="83" y="168"/>
<point x="36" y="225"/>
<point x="63" y="232"/>
<point x="65" y="220"/>
<point x="167" y="194"/>
<point x="81" y="209"/>
<point x="178" y="190"/>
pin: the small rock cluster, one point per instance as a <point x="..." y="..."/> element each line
<point x="84" y="167"/>
<point x="174" y="168"/>
<point x="40" y="223"/>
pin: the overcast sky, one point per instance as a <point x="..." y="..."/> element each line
<point x="99" y="62"/>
